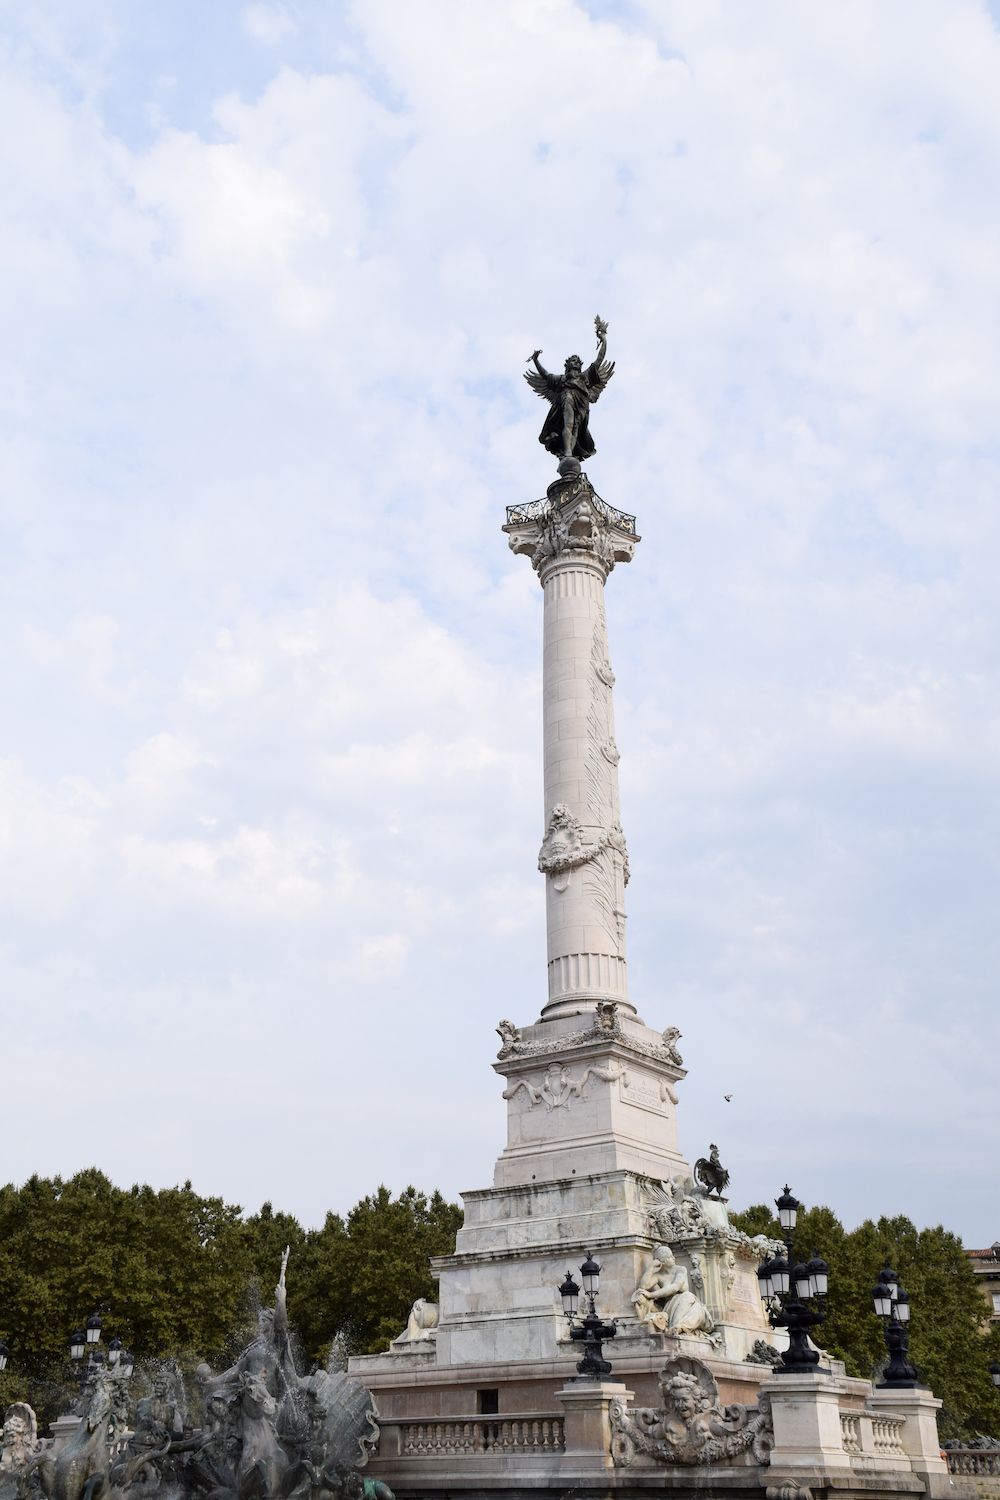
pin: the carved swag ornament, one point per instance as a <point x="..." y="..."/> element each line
<point x="690" y="1427"/>
<point x="564" y="847"/>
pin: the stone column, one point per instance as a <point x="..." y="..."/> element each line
<point x="574" y="540"/>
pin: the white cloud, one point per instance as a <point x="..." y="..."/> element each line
<point x="269" y="23"/>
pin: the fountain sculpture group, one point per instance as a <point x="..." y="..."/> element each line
<point x="267" y="1433"/>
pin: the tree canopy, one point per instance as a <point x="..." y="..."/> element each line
<point x="948" y="1340"/>
<point x="176" y="1274"/>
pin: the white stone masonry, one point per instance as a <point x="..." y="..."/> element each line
<point x="574" y="540"/>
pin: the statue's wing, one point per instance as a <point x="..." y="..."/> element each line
<point x="598" y="376"/>
<point x="547" y="386"/>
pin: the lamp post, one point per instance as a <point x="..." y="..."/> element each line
<point x="593" y="1331"/>
<point x="85" y="1341"/>
<point x="892" y="1305"/>
<point x="4" y="1354"/>
<point x="788" y="1289"/>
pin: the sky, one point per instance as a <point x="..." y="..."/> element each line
<point x="270" y="762"/>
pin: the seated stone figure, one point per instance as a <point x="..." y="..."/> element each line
<point x="664" y="1300"/>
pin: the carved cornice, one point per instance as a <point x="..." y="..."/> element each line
<point x="606" y="1028"/>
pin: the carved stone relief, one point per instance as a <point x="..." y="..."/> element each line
<point x="690" y="1427"/>
<point x="565" y="848"/>
<point x="601" y="883"/>
<point x="562" y="848"/>
<point x="573" y="523"/>
<point x="558" y="1088"/>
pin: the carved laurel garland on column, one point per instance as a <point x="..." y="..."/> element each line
<point x="691" y="1427"/>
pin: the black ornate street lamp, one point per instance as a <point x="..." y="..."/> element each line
<point x="788" y="1290"/>
<point x="995" y="1374"/>
<point x="4" y="1354"/>
<point x="893" y="1306"/>
<point x="593" y="1331"/>
<point x="85" y="1342"/>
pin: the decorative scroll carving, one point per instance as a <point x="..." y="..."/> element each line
<point x="664" y="1301"/>
<point x="691" y="1427"/>
<point x="558" y="1088"/>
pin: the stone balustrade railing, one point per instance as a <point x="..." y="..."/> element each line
<point x="885" y="1435"/>
<point x="872" y="1434"/>
<point x="448" y="1437"/>
<point x="850" y="1431"/>
<point x="974" y="1461"/>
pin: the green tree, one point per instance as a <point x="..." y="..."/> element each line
<point x="173" y="1273"/>
<point x="946" y="1337"/>
<point x="364" y="1274"/>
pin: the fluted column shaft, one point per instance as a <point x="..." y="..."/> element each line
<point x="574" y="541"/>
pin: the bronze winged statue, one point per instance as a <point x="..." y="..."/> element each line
<point x="566" y="431"/>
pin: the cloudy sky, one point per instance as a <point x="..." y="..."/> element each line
<point x="270" y="769"/>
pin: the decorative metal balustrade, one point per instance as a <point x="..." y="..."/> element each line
<point x="449" y="1437"/>
<point x="538" y="510"/>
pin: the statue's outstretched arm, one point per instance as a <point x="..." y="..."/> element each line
<point x="602" y="340"/>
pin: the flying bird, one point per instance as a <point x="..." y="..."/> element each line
<point x="727" y="1097"/>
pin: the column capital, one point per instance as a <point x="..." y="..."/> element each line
<point x="572" y="526"/>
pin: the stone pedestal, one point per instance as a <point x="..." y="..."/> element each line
<point x="918" y="1435"/>
<point x="587" y="1423"/>
<point x="807" y="1431"/>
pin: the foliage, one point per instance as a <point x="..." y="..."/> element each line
<point x="947" y="1341"/>
<point x="174" y="1273"/>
